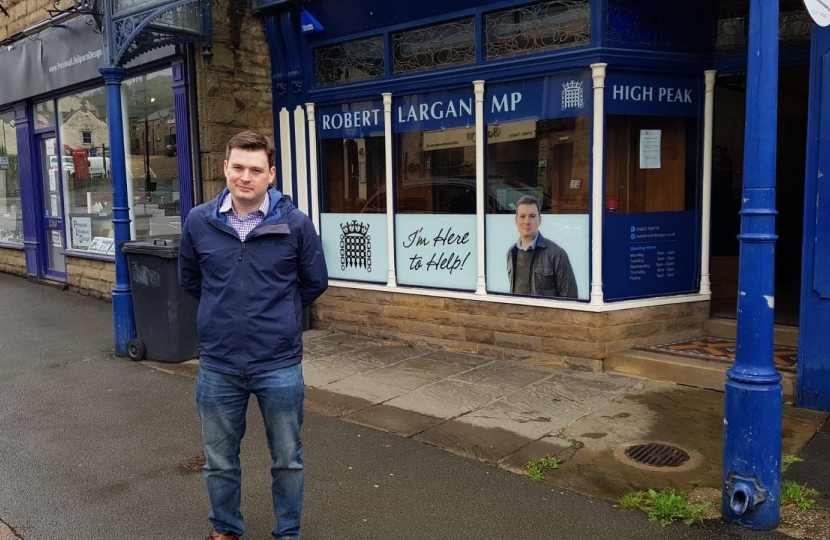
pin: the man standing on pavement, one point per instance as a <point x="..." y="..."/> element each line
<point x="535" y="265"/>
<point x="255" y="262"/>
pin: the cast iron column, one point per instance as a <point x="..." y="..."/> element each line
<point x="753" y="400"/>
<point x="123" y="318"/>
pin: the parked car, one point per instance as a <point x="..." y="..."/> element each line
<point x="68" y="163"/>
<point x="452" y="196"/>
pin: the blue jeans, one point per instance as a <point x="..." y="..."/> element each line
<point x="223" y="401"/>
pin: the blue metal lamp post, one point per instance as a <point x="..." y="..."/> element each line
<point x="753" y="400"/>
<point x="129" y="33"/>
<point x="122" y="296"/>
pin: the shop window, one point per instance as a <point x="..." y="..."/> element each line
<point x="45" y="114"/>
<point x="355" y="175"/>
<point x="353" y="190"/>
<point x="85" y="170"/>
<point x="795" y="24"/>
<point x="152" y="167"/>
<point x="356" y="60"/>
<point x="650" y="164"/>
<point x="537" y="27"/>
<point x="11" y="217"/>
<point x="441" y="45"/>
<point x="538" y="186"/>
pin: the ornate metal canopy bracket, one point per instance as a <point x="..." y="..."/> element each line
<point x="92" y="10"/>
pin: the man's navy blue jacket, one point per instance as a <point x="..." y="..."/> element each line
<point x="252" y="293"/>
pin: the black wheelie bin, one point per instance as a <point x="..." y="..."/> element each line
<point x="165" y="315"/>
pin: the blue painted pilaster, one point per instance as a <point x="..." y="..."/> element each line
<point x="122" y="298"/>
<point x="813" y="389"/>
<point x="183" y="138"/>
<point x="753" y="398"/>
<point x="30" y="202"/>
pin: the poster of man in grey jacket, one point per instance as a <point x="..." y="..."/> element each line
<point x="536" y="265"/>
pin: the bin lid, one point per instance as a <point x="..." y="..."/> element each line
<point x="161" y="246"/>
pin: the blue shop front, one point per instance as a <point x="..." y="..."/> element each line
<point x="411" y="132"/>
<point x="56" y="194"/>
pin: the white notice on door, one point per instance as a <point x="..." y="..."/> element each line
<point x="56" y="239"/>
<point x="650" y="140"/>
<point x="54" y="206"/>
<point x="53" y="179"/>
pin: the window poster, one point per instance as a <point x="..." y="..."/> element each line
<point x="650" y="143"/>
<point x="81" y="231"/>
<point x="566" y="250"/>
<point x="437" y="250"/>
<point x="650" y="254"/>
<point x="356" y="246"/>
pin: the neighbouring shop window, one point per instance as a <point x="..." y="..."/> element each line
<point x="356" y="60"/>
<point x="86" y="169"/>
<point x="353" y="179"/>
<point x="152" y="167"/>
<point x="538" y="186"/>
<point x="429" y="47"/>
<point x="45" y="114"/>
<point x="11" y="215"/>
<point x="537" y="27"/>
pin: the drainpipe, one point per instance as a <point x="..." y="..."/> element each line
<point x="753" y="394"/>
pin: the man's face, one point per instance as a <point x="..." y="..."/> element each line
<point x="248" y="176"/>
<point x="528" y="221"/>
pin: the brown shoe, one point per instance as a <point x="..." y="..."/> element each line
<point x="220" y="536"/>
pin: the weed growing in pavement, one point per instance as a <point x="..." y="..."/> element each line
<point x="787" y="460"/>
<point x="666" y="506"/>
<point x="801" y="496"/>
<point x="536" y="469"/>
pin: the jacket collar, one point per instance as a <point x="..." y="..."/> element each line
<point x="279" y="204"/>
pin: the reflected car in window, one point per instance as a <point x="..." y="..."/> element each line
<point x="452" y="196"/>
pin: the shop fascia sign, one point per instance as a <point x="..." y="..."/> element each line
<point x="460" y="137"/>
<point x="550" y="97"/>
<point x="819" y="10"/>
<point x="643" y="94"/>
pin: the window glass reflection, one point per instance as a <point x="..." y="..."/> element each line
<point x="11" y="217"/>
<point x="152" y="167"/>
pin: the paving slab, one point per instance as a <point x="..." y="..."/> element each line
<point x="330" y="404"/>
<point x="385" y="352"/>
<point x="364" y="387"/>
<point x="393" y="420"/>
<point x="414" y="373"/>
<point x="462" y="359"/>
<point x="509" y="376"/>
<point x="326" y="370"/>
<point x="447" y="398"/>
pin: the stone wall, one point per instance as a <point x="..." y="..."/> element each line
<point x="511" y="331"/>
<point x="22" y="14"/>
<point x="90" y="277"/>
<point x="13" y="261"/>
<point x="234" y="87"/>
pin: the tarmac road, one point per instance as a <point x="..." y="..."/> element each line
<point x="90" y="447"/>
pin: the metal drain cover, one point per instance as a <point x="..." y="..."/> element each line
<point x="657" y="455"/>
<point x="193" y="464"/>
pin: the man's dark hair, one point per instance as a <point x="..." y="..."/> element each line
<point x="528" y="199"/>
<point x="252" y="141"/>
